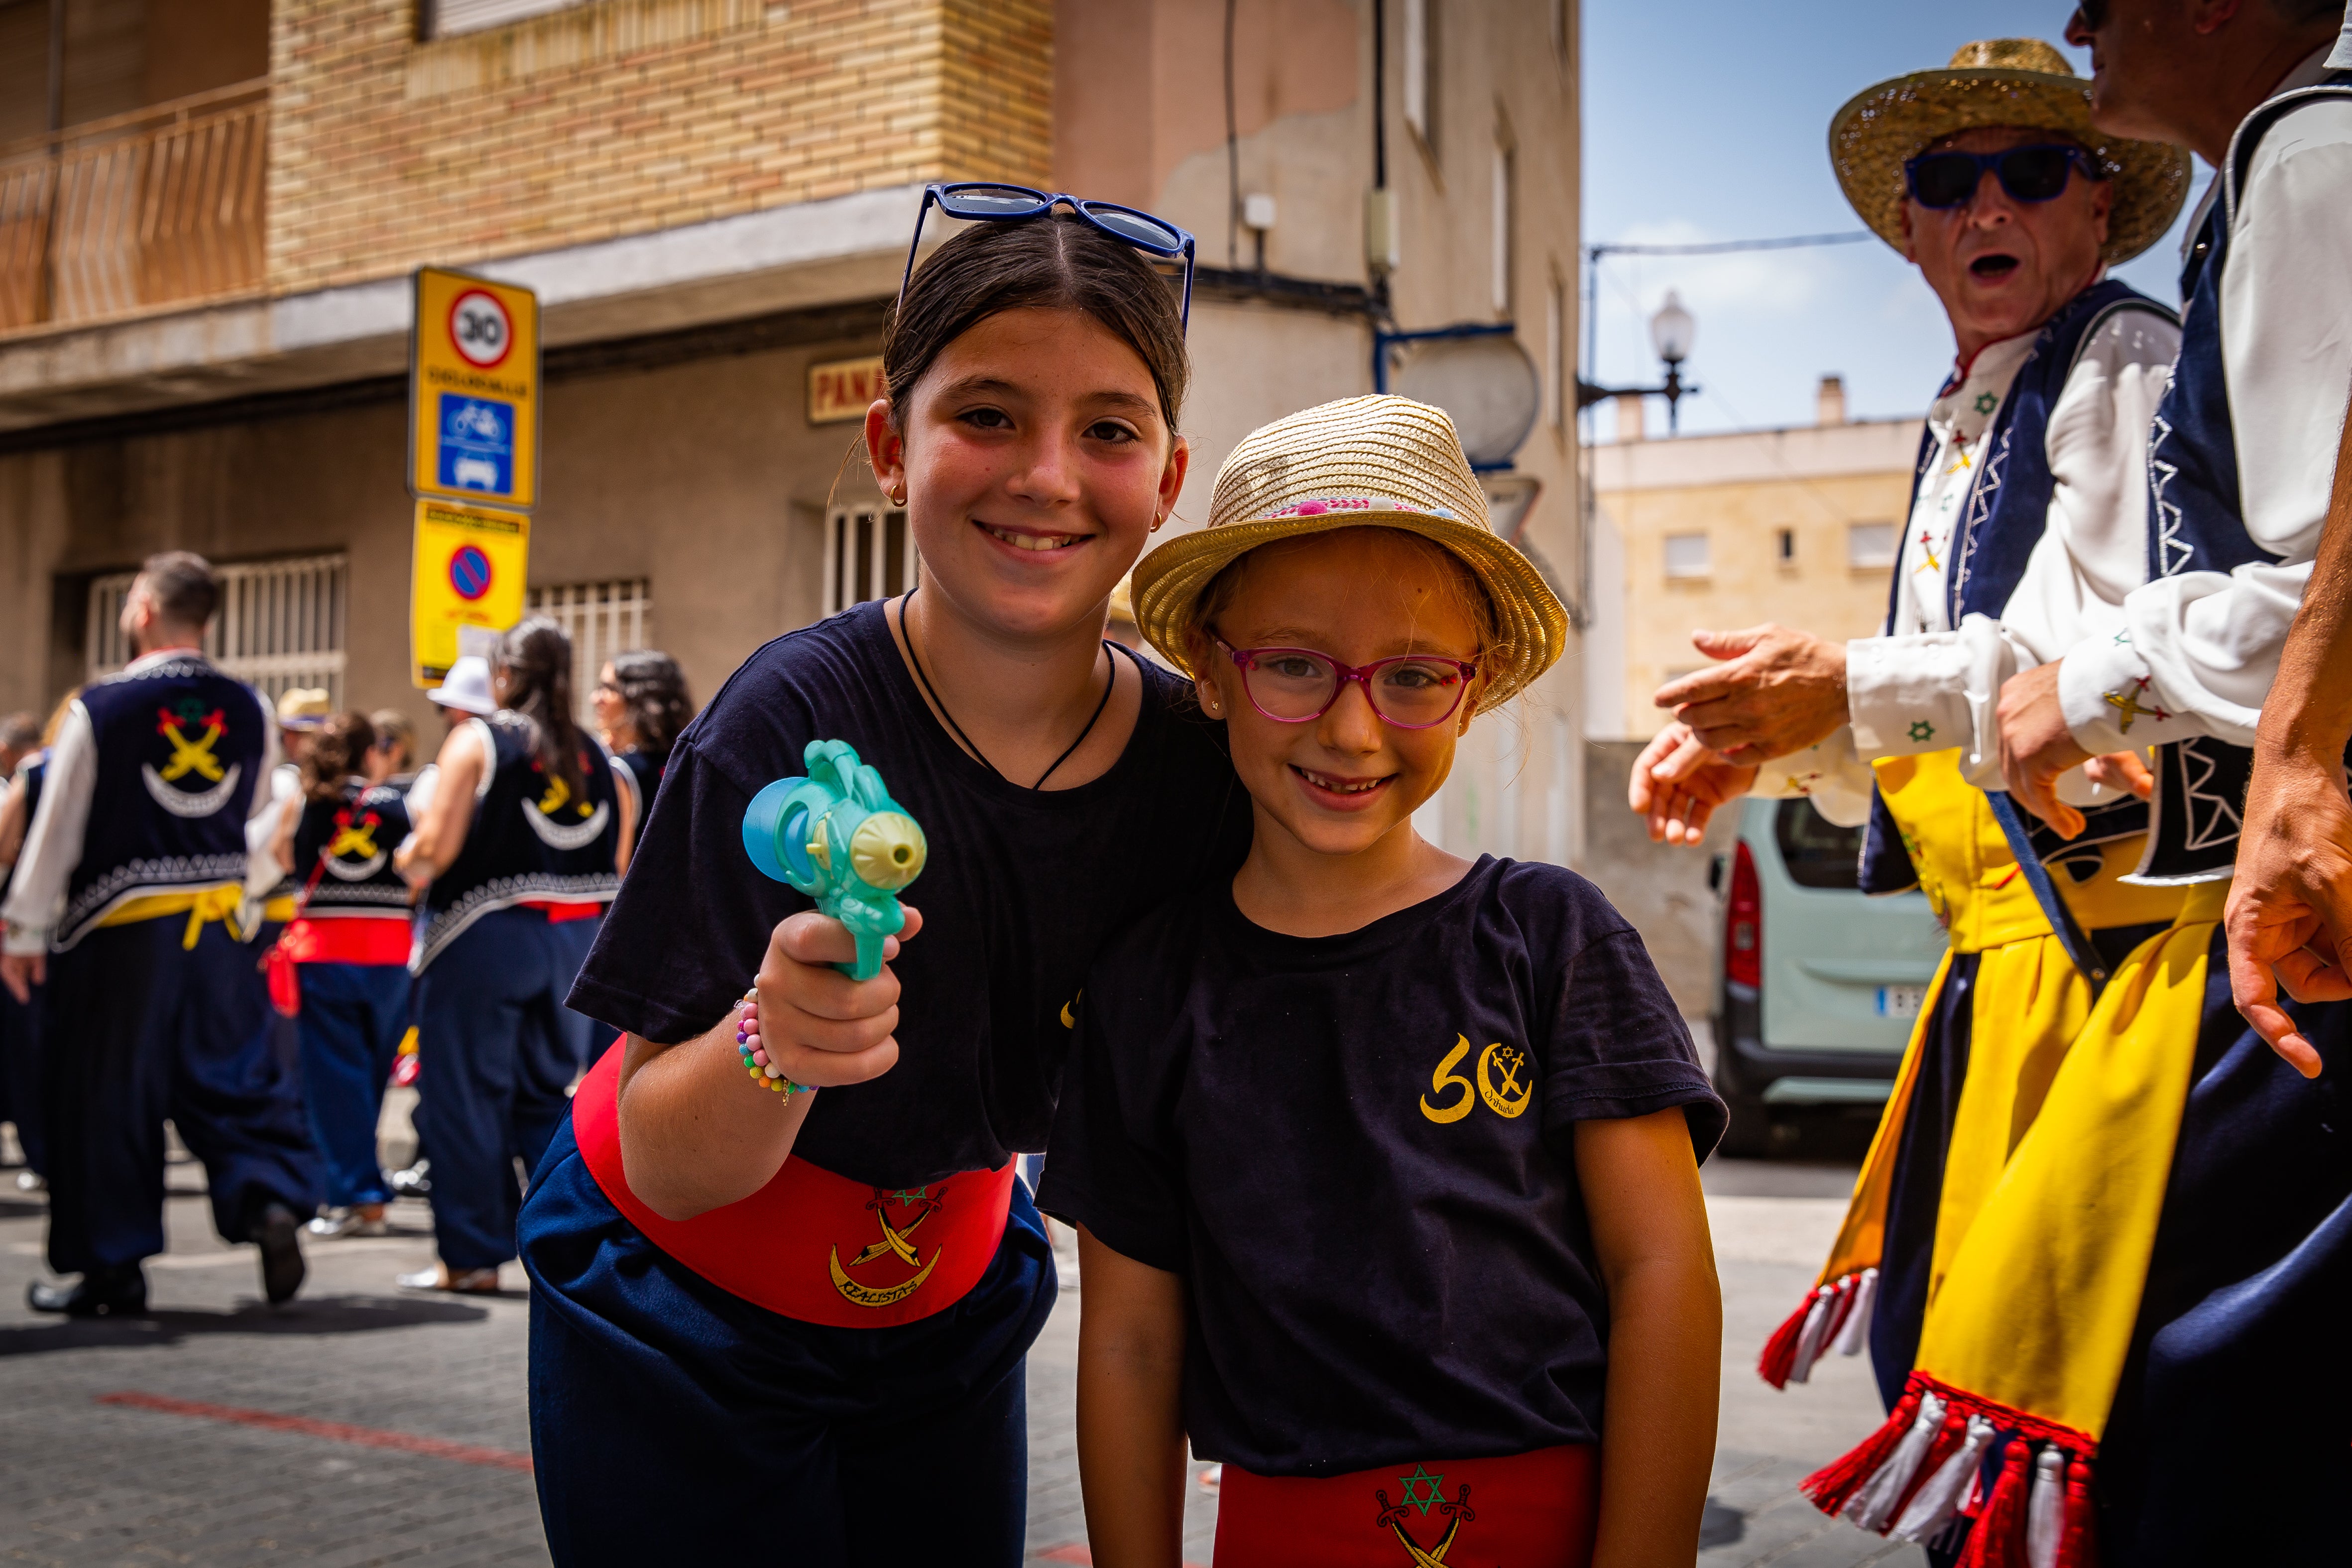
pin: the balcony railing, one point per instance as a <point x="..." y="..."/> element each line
<point x="160" y="207"/>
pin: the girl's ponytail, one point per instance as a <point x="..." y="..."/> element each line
<point x="339" y="749"/>
<point x="536" y="659"/>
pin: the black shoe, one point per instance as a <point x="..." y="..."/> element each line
<point x="101" y="1293"/>
<point x="282" y="1268"/>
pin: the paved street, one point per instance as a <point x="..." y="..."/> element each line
<point x="364" y="1425"/>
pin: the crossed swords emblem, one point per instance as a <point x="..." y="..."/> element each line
<point x="1457" y="1514"/>
<point x="352" y="838"/>
<point x="191" y="757"/>
<point x="894" y="1244"/>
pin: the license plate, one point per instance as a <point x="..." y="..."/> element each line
<point x="1901" y="1001"/>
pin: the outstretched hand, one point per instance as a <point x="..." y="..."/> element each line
<point x="1777" y="691"/>
<point x="1678" y="783"/>
<point x="822" y="1028"/>
<point x="2036" y="746"/>
<point x="2290" y="913"/>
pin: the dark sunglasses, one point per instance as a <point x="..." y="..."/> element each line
<point x="2034" y="174"/>
<point x="979" y="201"/>
<point x="2092" y="14"/>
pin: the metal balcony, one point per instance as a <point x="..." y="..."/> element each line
<point x="159" y="207"/>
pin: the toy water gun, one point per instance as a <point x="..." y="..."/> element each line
<point x="838" y="836"/>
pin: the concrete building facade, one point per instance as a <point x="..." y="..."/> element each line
<point x="713" y="199"/>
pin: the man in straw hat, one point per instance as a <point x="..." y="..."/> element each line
<point x="2027" y="528"/>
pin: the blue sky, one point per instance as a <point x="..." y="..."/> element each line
<point x="1708" y="121"/>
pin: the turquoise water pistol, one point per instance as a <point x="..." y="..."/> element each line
<point x="838" y="836"/>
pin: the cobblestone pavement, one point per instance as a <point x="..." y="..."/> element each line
<point x="219" y="1432"/>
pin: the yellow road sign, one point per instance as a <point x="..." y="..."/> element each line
<point x="469" y="568"/>
<point x="473" y="391"/>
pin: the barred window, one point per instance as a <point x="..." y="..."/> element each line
<point x="869" y="554"/>
<point x="282" y="623"/>
<point x="447" y="18"/>
<point x="1869" y="545"/>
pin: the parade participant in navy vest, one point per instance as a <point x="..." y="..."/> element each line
<point x="2027" y="513"/>
<point x="23" y="767"/>
<point x="523" y="841"/>
<point x="2247" y="1276"/>
<point x="134" y="900"/>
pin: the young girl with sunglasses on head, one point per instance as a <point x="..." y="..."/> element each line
<point x="1384" y="1162"/>
<point x="795" y="1322"/>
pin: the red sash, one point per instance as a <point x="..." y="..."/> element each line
<point x="557" y="914"/>
<point x="1528" y="1511"/>
<point x="810" y="1245"/>
<point x="353" y="939"/>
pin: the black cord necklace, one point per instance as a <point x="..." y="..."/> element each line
<point x="929" y="690"/>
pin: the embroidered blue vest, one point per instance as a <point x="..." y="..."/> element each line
<point x="33" y="770"/>
<point x="180" y="751"/>
<point x="2196" y="521"/>
<point x="348" y="842"/>
<point x="531" y="842"/>
<point x="2006" y="513"/>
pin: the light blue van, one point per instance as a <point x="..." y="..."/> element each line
<point x="1817" y="984"/>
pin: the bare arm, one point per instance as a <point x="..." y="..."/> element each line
<point x="1130" y="1408"/>
<point x="1665" y="1336"/>
<point x="434" y="846"/>
<point x="696" y="1135"/>
<point x="2289" y="912"/>
<point x="629" y="815"/>
<point x="15" y="818"/>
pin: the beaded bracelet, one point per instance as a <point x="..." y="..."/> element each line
<point x="765" y="1073"/>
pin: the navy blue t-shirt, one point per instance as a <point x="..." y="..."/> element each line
<point x="1358" y="1151"/>
<point x="1020" y="888"/>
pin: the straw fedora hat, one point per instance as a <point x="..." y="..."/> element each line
<point x="304" y="707"/>
<point x="1999" y="83"/>
<point x="1379" y="462"/>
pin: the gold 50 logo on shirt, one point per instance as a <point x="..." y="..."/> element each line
<point x="1497" y="1081"/>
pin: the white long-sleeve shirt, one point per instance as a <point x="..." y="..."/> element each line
<point x="2206" y="644"/>
<point x="1924" y="685"/>
<point x="53" y="845"/>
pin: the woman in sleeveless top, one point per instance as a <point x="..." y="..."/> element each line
<point x="522" y="846"/>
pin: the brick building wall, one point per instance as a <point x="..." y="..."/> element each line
<point x="627" y="117"/>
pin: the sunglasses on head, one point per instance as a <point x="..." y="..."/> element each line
<point x="979" y="201"/>
<point x="2034" y="174"/>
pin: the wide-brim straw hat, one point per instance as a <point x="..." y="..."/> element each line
<point x="1999" y="83"/>
<point x="1361" y="462"/>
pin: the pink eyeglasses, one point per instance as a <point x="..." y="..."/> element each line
<point x="1293" y="685"/>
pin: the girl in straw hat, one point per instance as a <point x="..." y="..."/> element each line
<point x="1385" y="1163"/>
<point x="792" y="1325"/>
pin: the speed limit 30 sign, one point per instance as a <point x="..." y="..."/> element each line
<point x="473" y="391"/>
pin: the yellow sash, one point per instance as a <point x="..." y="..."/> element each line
<point x="2037" y="1309"/>
<point x="201" y="904"/>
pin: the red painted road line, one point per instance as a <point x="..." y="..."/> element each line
<point x="334" y="1431"/>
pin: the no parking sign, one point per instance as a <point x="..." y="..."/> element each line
<point x="468" y="571"/>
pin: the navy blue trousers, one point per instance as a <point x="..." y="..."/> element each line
<point x="139" y="1029"/>
<point x="352" y="1017"/>
<point x="20" y="1072"/>
<point x="2231" y="1435"/>
<point x="674" y="1422"/>
<point x="497" y="1051"/>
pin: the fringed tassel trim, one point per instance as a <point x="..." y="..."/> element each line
<point x="1921" y="1476"/>
<point x="1837" y="1316"/>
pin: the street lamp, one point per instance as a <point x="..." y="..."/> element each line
<point x="1672" y="331"/>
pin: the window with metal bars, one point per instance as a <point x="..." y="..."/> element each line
<point x="602" y="619"/>
<point x="869" y="554"/>
<point x="282" y="623"/>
